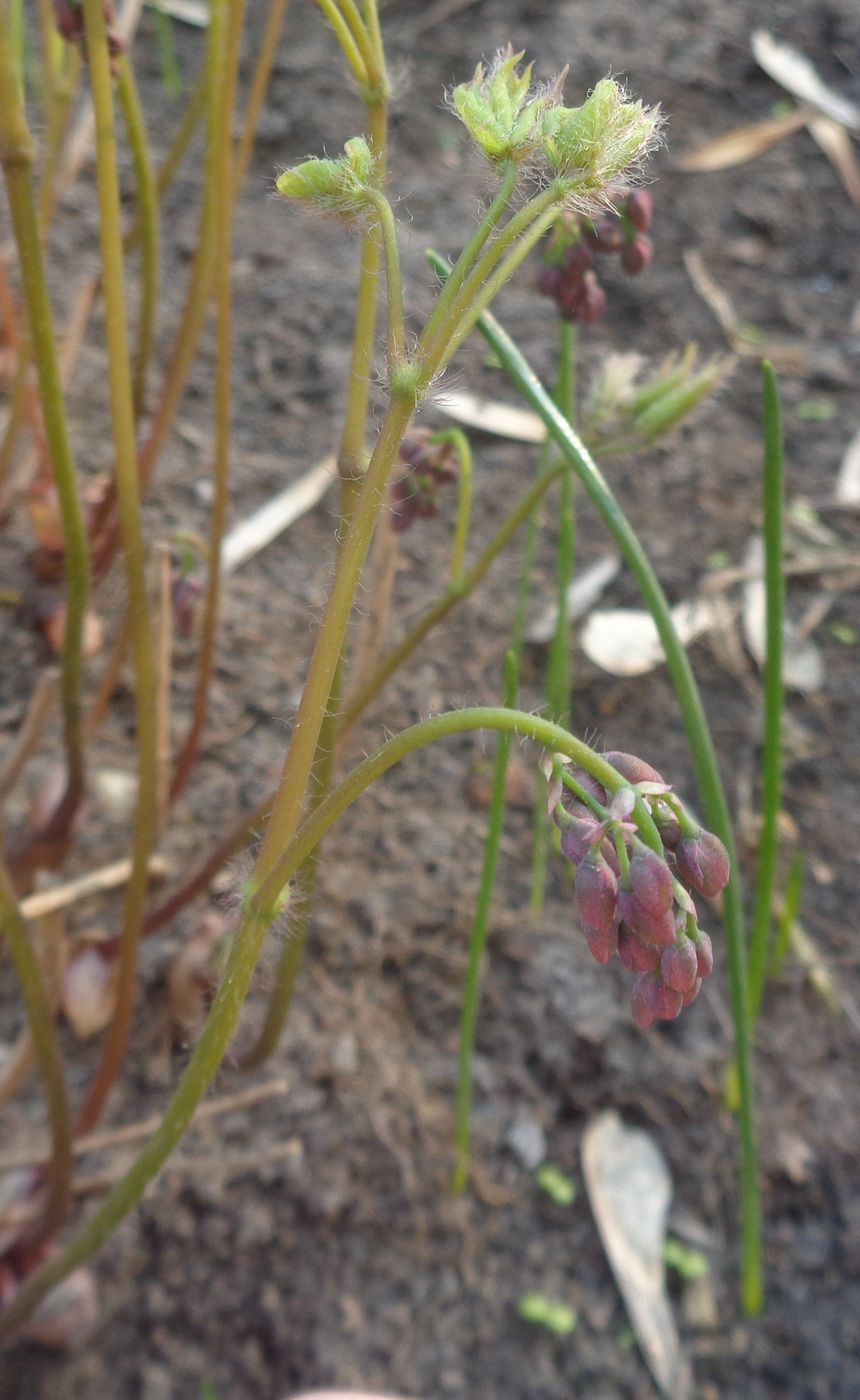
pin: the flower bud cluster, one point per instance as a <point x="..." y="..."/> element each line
<point x="427" y="466"/>
<point x="69" y="19"/>
<point x="634" y="902"/>
<point x="569" y="275"/>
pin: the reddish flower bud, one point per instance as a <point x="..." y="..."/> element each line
<point x="634" y="769"/>
<point x="668" y="1002"/>
<point x="690" y="996"/>
<point x="578" y="836"/>
<point x="602" y="942"/>
<point x="651" y="882"/>
<point x="656" y="929"/>
<point x="639" y="208"/>
<point x="636" y="955"/>
<point x="703" y="862"/>
<point x="578" y="261"/>
<point x="637" y="256"/>
<point x="644" y="1000"/>
<point x="704" y="954"/>
<point x="596" y="893"/>
<point x="549" y="281"/>
<point x="606" y="236"/>
<point x="667" y="824"/>
<point x="679" y="965"/>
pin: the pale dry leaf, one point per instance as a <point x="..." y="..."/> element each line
<point x="88" y="993"/>
<point x="848" y="481"/>
<point x="788" y="357"/>
<point x="193" y="12"/>
<point x="250" y="536"/>
<point x="793" y="71"/>
<point x="802" y="666"/>
<point x="629" y="1188"/>
<point x="742" y="144"/>
<point x="582" y="594"/>
<point x="836" y="145"/>
<point x="625" y="642"/>
<point x="488" y="416"/>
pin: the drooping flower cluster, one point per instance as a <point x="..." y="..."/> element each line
<point x="427" y="466"/>
<point x="633" y="900"/>
<point x="569" y="275"/>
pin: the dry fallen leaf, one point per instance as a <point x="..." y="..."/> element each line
<point x="624" y="641"/>
<point x="793" y="71"/>
<point x="848" y="481"/>
<point x="250" y="536"/>
<point x="193" y="976"/>
<point x="786" y="356"/>
<point x="629" y="1187"/>
<point x="741" y="144"/>
<point x="836" y="145"/>
<point x="584" y="591"/>
<point x="487" y="416"/>
<point x="89" y="992"/>
<point x="802" y="665"/>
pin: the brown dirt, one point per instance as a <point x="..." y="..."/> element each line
<point x="340" y="1258"/>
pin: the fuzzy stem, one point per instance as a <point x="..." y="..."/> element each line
<point x="47" y="1048"/>
<point x="16" y="157"/>
<point x="460" y="444"/>
<point x="394" y="282"/>
<point x="146" y="223"/>
<point x="350" y="48"/>
<point x="705" y="763"/>
<point x="478" y="942"/>
<point x="240" y="833"/>
<point x="773" y="494"/>
<point x="245" y="950"/>
<point x="134" y="555"/>
<point x="220" y="160"/>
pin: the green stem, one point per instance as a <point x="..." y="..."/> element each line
<point x="259" y="87"/>
<point x="704" y="760"/>
<point x="46" y="1045"/>
<point x="134" y="555"/>
<point x="245" y="949"/>
<point x="773" y="494"/>
<point x="350" y="49"/>
<point x="558" y="667"/>
<point x="460" y="443"/>
<point x="478" y="942"/>
<point x="16" y="155"/>
<point x="222" y="91"/>
<point x="394" y="283"/>
<point x="146" y="223"/>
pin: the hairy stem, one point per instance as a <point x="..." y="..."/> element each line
<point x="134" y="556"/>
<point x="16" y="155"/>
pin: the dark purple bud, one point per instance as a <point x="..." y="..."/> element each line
<point x="703" y="862"/>
<point x="690" y="996"/>
<point x="639" y="208"/>
<point x="634" y="769"/>
<point x="577" y="262"/>
<point x="637" y="256"/>
<point x="596" y="893"/>
<point x="592" y="304"/>
<point x="549" y="281"/>
<point x="606" y="236"/>
<point x="704" y="954"/>
<point x="679" y="966"/>
<point x="602" y="942"/>
<point x="651" y="882"/>
<point x="636" y="955"/>
<point x="590" y="783"/>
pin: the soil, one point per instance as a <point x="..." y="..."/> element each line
<point x="311" y="1240"/>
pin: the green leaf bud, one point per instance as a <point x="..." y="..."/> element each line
<point x="500" y="109"/>
<point x="593" y="145"/>
<point x="336" y="186"/>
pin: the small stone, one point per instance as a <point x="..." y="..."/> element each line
<point x="527" y="1140"/>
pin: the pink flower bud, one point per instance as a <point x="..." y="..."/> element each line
<point x="636" y="955"/>
<point x="669" y="1002"/>
<point x="634" y="769"/>
<point x="602" y="942"/>
<point x="637" y="256"/>
<point x="596" y="893"/>
<point x="679" y="965"/>
<point x="578" y="836"/>
<point x="651" y="882"/>
<point x="578" y="261"/>
<point x="655" y="929"/>
<point x="643" y="1002"/>
<point x="704" y="954"/>
<point x="690" y="996"/>
<point x="667" y="824"/>
<point x="639" y="208"/>
<point x="703" y="862"/>
<point x="549" y="281"/>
